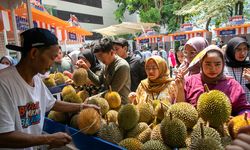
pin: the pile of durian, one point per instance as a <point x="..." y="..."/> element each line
<point x="156" y="124"/>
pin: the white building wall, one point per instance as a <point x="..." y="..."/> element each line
<point x="107" y="12"/>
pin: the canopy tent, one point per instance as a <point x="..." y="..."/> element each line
<point x="233" y="30"/>
<point x="79" y="30"/>
<point x="228" y="32"/>
<point x="42" y="16"/>
<point x="43" y="19"/>
<point x="125" y="28"/>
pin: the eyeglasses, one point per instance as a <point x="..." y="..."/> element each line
<point x="189" y="53"/>
<point x="151" y="68"/>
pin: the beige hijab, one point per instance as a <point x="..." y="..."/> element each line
<point x="157" y="85"/>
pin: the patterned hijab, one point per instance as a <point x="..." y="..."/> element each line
<point x="157" y="85"/>
<point x="221" y="76"/>
<point x="230" y="53"/>
<point x="198" y="43"/>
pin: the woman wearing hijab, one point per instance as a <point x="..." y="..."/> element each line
<point x="212" y="66"/>
<point x="236" y="60"/>
<point x="95" y="66"/>
<point x="191" y="49"/>
<point x="7" y="60"/>
<point x="157" y="85"/>
<point x="89" y="58"/>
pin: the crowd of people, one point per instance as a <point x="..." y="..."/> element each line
<point x="136" y="76"/>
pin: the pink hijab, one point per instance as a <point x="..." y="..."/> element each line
<point x="198" y="43"/>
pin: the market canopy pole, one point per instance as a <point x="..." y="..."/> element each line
<point x="30" y="19"/>
<point x="12" y="4"/>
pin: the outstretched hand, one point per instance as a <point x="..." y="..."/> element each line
<point x="242" y="142"/>
<point x="81" y="64"/>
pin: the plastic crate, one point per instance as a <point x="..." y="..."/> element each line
<point x="80" y="140"/>
<point x="56" y="89"/>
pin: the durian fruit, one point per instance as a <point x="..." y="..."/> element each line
<point x="73" y="121"/>
<point x="83" y="95"/>
<point x="128" y="116"/>
<point x="49" y="82"/>
<point x="80" y="76"/>
<point x="52" y="75"/>
<point x="57" y="116"/>
<point x="112" y="115"/>
<point x="113" y="98"/>
<point x="161" y="108"/>
<point x="215" y="107"/>
<point x="173" y="132"/>
<point x="67" y="90"/>
<point x="139" y="128"/>
<point x="131" y="144"/>
<point x="72" y="98"/>
<point x="146" y="111"/>
<point x="111" y="133"/>
<point x="59" y="78"/>
<point x="236" y="123"/>
<point x="101" y="102"/>
<point x="145" y="135"/>
<point x="185" y="112"/>
<point x="154" y="145"/>
<point x="156" y="133"/>
<point x="208" y="133"/>
<point x="89" y="121"/>
<point x="204" y="142"/>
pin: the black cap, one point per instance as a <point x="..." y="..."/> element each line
<point x="34" y="37"/>
<point x="121" y="41"/>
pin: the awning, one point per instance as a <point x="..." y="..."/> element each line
<point x="79" y="31"/>
<point x="233" y="30"/>
<point x="125" y="28"/>
<point x="42" y="17"/>
<point x="189" y="34"/>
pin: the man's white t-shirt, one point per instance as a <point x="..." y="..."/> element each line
<point x="22" y="107"/>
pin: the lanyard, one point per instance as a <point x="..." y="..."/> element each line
<point x="240" y="75"/>
<point x="156" y="96"/>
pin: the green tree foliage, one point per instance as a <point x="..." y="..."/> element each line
<point x="205" y="11"/>
<point x="154" y="11"/>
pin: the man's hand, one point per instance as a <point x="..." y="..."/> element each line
<point x="83" y="106"/>
<point x="81" y="64"/>
<point x="58" y="139"/>
<point x="242" y="142"/>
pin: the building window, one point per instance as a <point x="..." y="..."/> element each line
<point x="84" y="18"/>
<point x="93" y="3"/>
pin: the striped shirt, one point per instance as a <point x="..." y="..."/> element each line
<point x="237" y="73"/>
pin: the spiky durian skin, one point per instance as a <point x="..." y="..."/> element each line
<point x="72" y="98"/>
<point x="128" y="117"/>
<point x="59" y="78"/>
<point x="156" y="133"/>
<point x="146" y="111"/>
<point x="236" y="123"/>
<point x="214" y="107"/>
<point x="185" y="112"/>
<point x="206" y="144"/>
<point x="173" y="132"/>
<point x="80" y="76"/>
<point x="131" y="144"/>
<point x="101" y="102"/>
<point x="208" y="133"/>
<point x="110" y="132"/>
<point x="154" y="145"/>
<point x="139" y="128"/>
